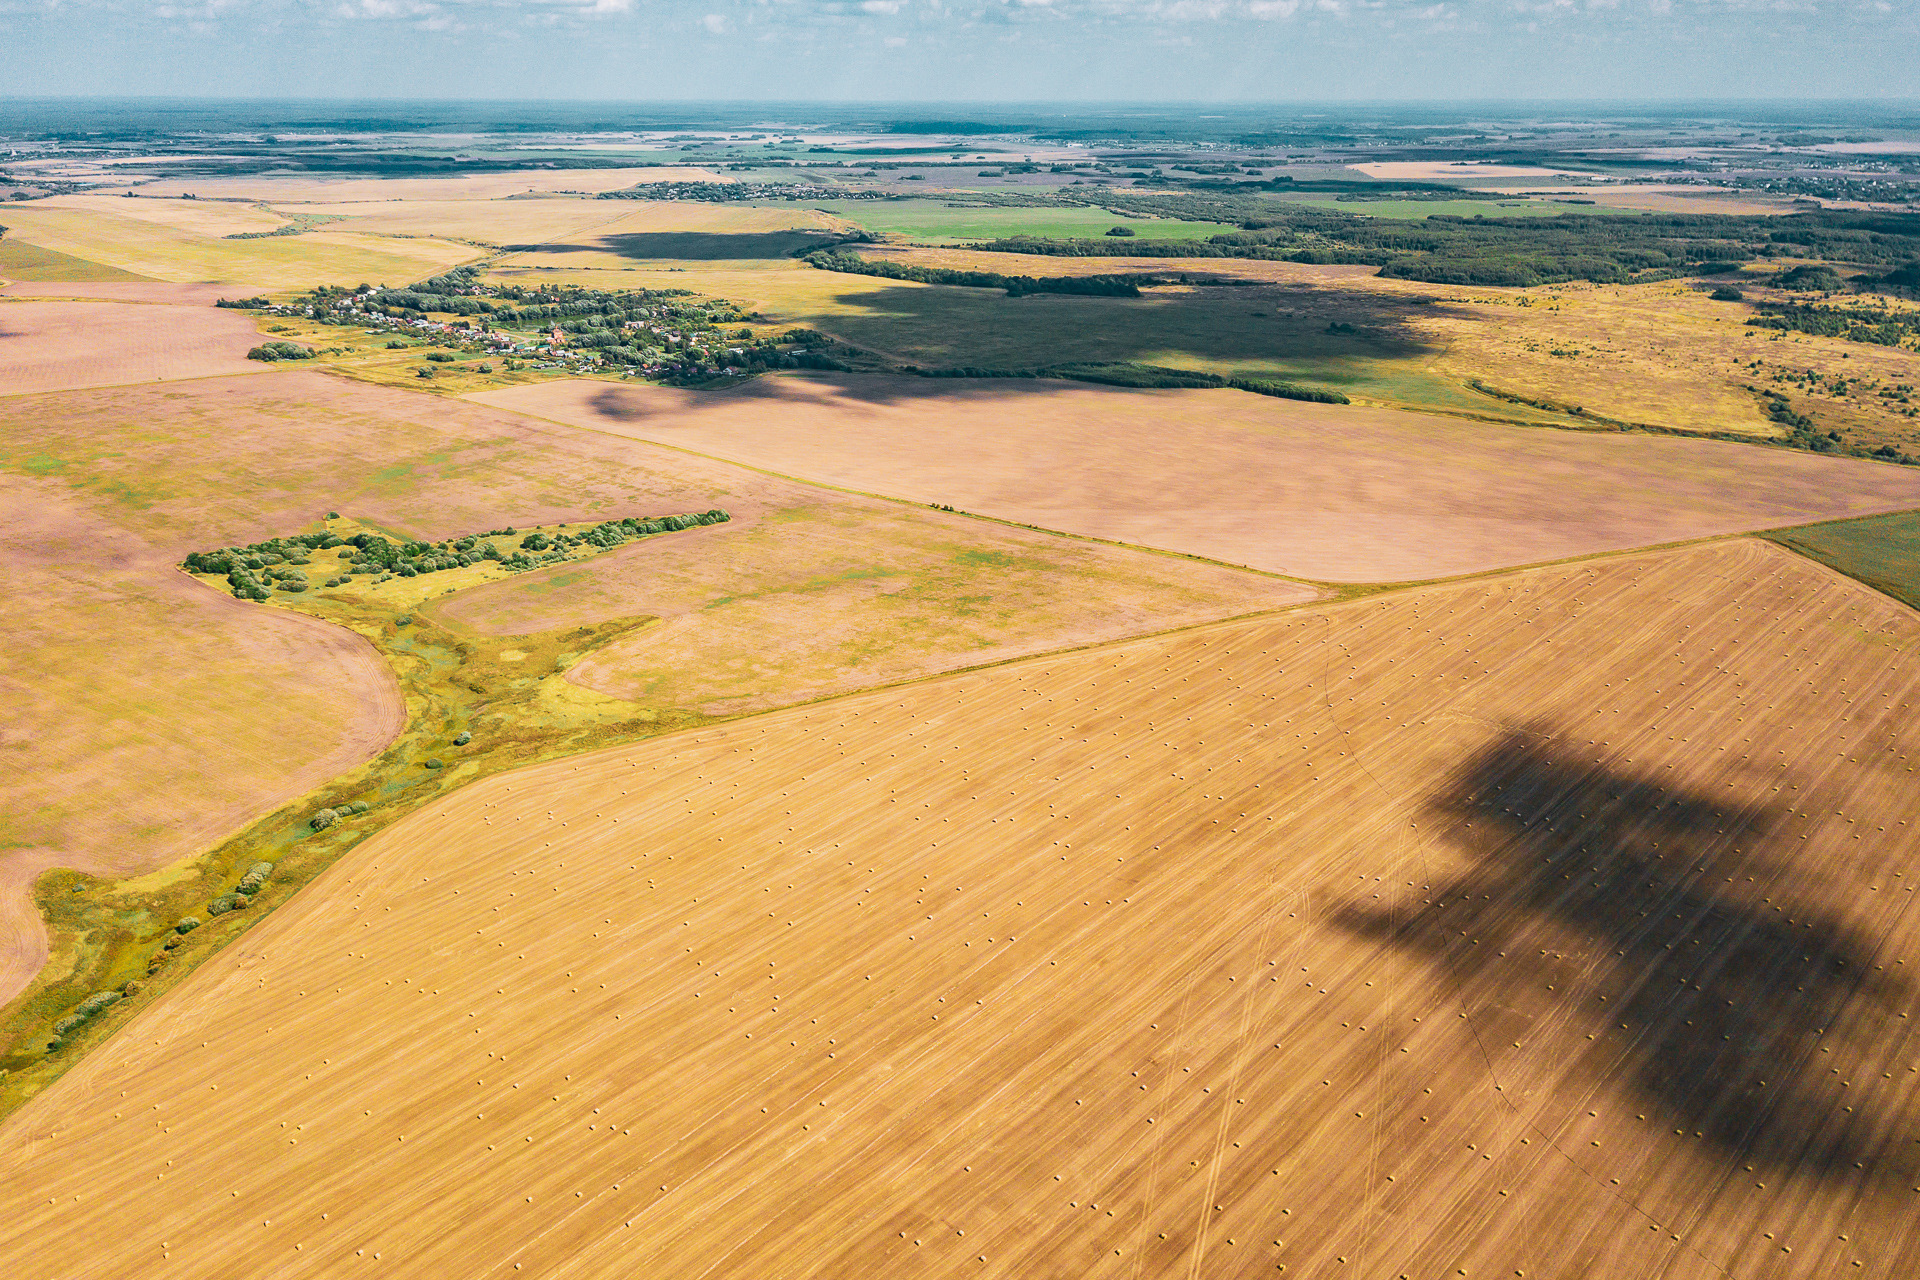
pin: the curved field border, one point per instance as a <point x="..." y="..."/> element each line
<point x="1390" y="936"/>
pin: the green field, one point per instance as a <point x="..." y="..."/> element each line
<point x="1881" y="551"/>
<point x="934" y="221"/>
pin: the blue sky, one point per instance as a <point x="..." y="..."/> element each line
<point x="948" y="50"/>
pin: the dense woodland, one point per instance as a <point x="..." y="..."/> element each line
<point x="1522" y="251"/>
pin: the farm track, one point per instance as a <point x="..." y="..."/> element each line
<point x="1555" y="923"/>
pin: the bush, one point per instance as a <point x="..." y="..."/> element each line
<point x="424" y="371"/>
<point x="1120" y="231"/>
<point x="324" y="819"/>
<point x="463" y="739"/>
<point x="1287" y="390"/>
<point x="535" y="542"/>
<point x="228" y="902"/>
<point x="435" y="764"/>
<point x="440" y="357"/>
<point x="1727" y="293"/>
<point x="357" y="806"/>
<point x="255" y="879"/>
<point x="280" y="351"/>
<point x="186" y="924"/>
<point x="396" y="346"/>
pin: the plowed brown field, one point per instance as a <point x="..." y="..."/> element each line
<point x="53" y="346"/>
<point x="1407" y="937"/>
<point x="1335" y="493"/>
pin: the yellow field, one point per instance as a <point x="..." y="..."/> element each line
<point x="146" y="715"/>
<point x="1398" y="938"/>
<point x="171" y="253"/>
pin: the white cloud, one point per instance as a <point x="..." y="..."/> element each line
<point x="717" y="23"/>
<point x="882" y="6"/>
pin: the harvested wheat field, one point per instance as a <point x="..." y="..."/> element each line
<point x="1396" y="938"/>
<point x="146" y="715"/>
<point x="1335" y="493"/>
<point x="809" y="595"/>
<point x="152" y="715"/>
<point x="54" y="346"/>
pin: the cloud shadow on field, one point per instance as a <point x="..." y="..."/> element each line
<point x="692" y="246"/>
<point x="1728" y="999"/>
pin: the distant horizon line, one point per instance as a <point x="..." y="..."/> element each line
<point x="988" y="103"/>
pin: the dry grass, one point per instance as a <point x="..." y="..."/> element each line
<point x="804" y="595"/>
<point x="1401" y="937"/>
<point x="146" y="715"/>
<point x="153" y="714"/>
<point x="1668" y="355"/>
<point x="1320" y="491"/>
<point x="174" y="254"/>
<point x="52" y="346"/>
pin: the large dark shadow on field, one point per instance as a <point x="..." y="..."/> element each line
<point x="693" y="246"/>
<point x="1327" y="335"/>
<point x="1728" y="1001"/>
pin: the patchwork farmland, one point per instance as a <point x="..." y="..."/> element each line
<point x="1388" y="938"/>
<point x="1321" y="491"/>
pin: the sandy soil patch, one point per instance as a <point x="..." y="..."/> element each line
<point x="1397" y="938"/>
<point x="49" y="346"/>
<point x="1327" y="492"/>
<point x="148" y="716"/>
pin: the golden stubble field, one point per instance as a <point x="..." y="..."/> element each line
<point x="1338" y="493"/>
<point x="1396" y="938"/>
<point x="151" y="715"/>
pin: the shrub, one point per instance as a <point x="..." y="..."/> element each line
<point x="1288" y="390"/>
<point x="484" y="367"/>
<point x="463" y="739"/>
<point x="1726" y="293"/>
<point x="424" y="371"/>
<point x="186" y="924"/>
<point x="98" y="1001"/>
<point x="357" y="806"/>
<point x="324" y="819"/>
<point x="256" y="877"/>
<point x="67" y="1024"/>
<point x="435" y="764"/>
<point x="1120" y="231"/>
<point x="440" y="357"/>
<point x="280" y="351"/>
<point x="228" y="902"/>
<point x="535" y="542"/>
<point x="396" y="346"/>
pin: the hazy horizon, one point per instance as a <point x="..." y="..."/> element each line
<point x="1187" y="51"/>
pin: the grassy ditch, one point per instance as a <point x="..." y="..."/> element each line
<point x="475" y="706"/>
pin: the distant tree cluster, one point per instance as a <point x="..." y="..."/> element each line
<point x="256" y="570"/>
<point x="1015" y="286"/>
<point x="1881" y="326"/>
<point x="280" y="351"/>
